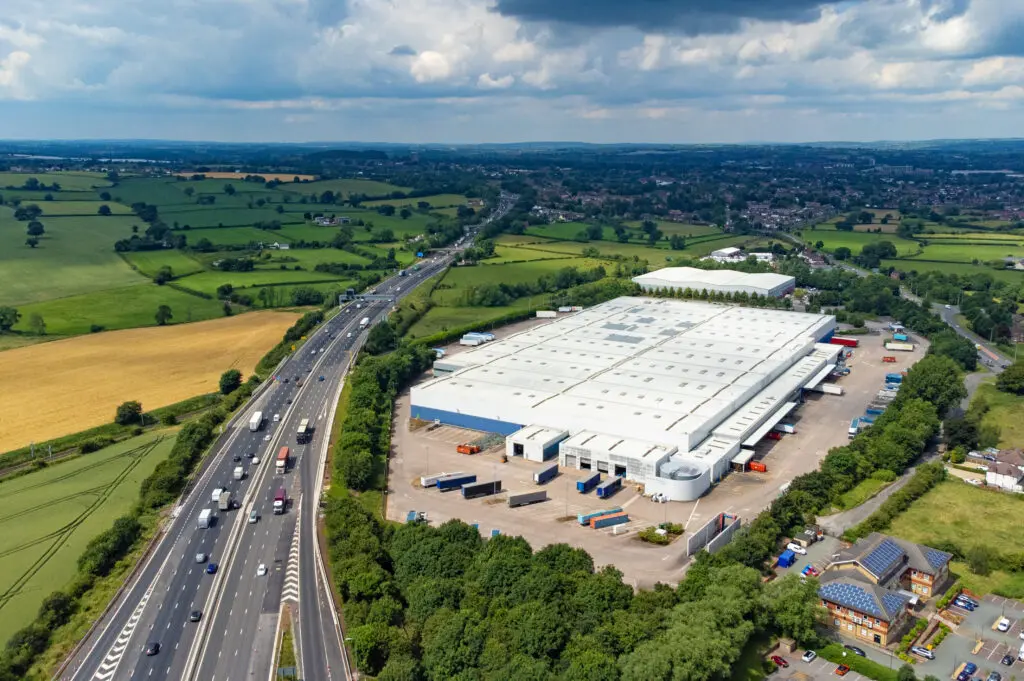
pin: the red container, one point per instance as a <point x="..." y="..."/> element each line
<point x="758" y="466"/>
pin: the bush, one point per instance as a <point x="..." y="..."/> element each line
<point x="128" y="413"/>
<point x="650" y="534"/>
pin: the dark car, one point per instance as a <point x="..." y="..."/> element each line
<point x="211" y="568"/>
<point x="235" y="503"/>
<point x="855" y="650"/>
<point x="970" y="667"/>
<point x="321" y="378"/>
<point x="152" y="648"/>
<point x="1007" y="660"/>
<point x="195" y="616"/>
<point x="286" y="380"/>
<point x="236" y="458"/>
<point x="288" y="401"/>
<point x="994" y="676"/>
<point x="963" y="676"/>
<point x="250" y="455"/>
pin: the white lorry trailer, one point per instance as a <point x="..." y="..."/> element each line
<point x="256" y="421"/>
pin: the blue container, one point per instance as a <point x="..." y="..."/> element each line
<point x="894" y="378"/>
<point x="585" y="518"/>
<point x="609" y="487"/>
<point x="584" y="486"/>
<point x="899" y="337"/>
<point x="873" y="411"/>
<point x="608" y="521"/>
<point x="410" y="517"/>
<point x="787" y="558"/>
<point x="545" y="474"/>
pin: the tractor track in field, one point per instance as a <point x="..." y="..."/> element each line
<point x="144" y="449"/>
<point x="61" y="535"/>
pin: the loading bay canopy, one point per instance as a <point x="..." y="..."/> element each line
<point x="772" y="421"/>
<point x="819" y="377"/>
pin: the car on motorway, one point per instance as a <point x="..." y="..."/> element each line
<point x="266" y="438"/>
<point x="286" y="380"/>
<point x="277" y="418"/>
<point x="796" y="548"/>
<point x="253" y="517"/>
<point x="809" y="656"/>
<point x="250" y="455"/>
<point x="349" y="335"/>
<point x="211" y="568"/>
<point x="195" y="616"/>
<point x="236" y="458"/>
<point x="321" y="378"/>
<point x="261" y="570"/>
<point x="200" y="557"/>
<point x="780" y="661"/>
<point x="152" y="648"/>
<point x="855" y="650"/>
<point x="255" y="461"/>
<point x="288" y="401"/>
<point x="842" y="670"/>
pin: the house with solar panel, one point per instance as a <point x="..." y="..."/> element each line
<point x="868" y="587"/>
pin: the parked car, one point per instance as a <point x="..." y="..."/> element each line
<point x="963" y="676"/>
<point x="809" y="656"/>
<point x="962" y="603"/>
<point x="796" y="548"/>
<point x="211" y="568"/>
<point x="923" y="652"/>
<point x="842" y="670"/>
<point x="970" y="668"/>
<point x="856" y="651"/>
<point x="994" y="676"/>
<point x="1007" y="660"/>
<point x="195" y="616"/>
<point x="152" y="648"/>
<point x="1003" y="625"/>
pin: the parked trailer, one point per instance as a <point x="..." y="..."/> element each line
<point x="481" y="489"/>
<point x="845" y="341"/>
<point x="431" y="480"/>
<point x="515" y="500"/>
<point x="894" y="378"/>
<point x="410" y="517"/>
<point x="867" y="419"/>
<point x="545" y="474"/>
<point x="473" y="342"/>
<point x="830" y="389"/>
<point x="786" y="428"/>
<point x="609" y="520"/>
<point x="456" y="481"/>
<point x="902" y="347"/>
<point x="609" y="487"/>
<point x="468" y="449"/>
<point x="546" y="314"/>
<point x="874" y="411"/>
<point x="854" y="428"/>
<point x="585" y="518"/>
<point x="584" y="486"/>
<point x="902" y="337"/>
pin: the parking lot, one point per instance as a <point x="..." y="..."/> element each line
<point x="821" y="423"/>
<point x="818" y="669"/>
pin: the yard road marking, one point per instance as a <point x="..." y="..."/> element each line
<point x="108" y="667"/>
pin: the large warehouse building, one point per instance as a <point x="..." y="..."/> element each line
<point x="726" y="281"/>
<point x="664" y="392"/>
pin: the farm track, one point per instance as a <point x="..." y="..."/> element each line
<point x="62" y="534"/>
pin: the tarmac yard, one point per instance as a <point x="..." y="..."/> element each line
<point x="821" y="423"/>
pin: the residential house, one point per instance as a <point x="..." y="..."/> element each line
<point x="868" y="586"/>
<point x="1007" y="471"/>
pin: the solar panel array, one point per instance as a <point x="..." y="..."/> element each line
<point x="937" y="558"/>
<point x="893" y="602"/>
<point x="882" y="558"/>
<point x="862" y="599"/>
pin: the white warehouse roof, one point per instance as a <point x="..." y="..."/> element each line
<point x="762" y="283"/>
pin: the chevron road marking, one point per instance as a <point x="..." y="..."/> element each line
<point x="109" y="665"/>
<point x="291" y="577"/>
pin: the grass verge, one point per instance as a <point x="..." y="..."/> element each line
<point x="863" y="491"/>
<point x="286" y="646"/>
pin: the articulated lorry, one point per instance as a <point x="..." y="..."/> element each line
<point x="256" y="421"/>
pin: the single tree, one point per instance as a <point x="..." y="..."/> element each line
<point x="36" y="324"/>
<point x="128" y="413"/>
<point x="405" y="213"/>
<point x="163" y="275"/>
<point x="163" y="315"/>
<point x="189" y="191"/>
<point x="1011" y="380"/>
<point x="105" y="196"/>
<point x="35" y="228"/>
<point x="9" y="316"/>
<point x="104" y="210"/>
<point x="230" y="381"/>
<point x="229" y="189"/>
<point x="32" y="242"/>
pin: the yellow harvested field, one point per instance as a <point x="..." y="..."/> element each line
<point x="219" y="175"/>
<point x="53" y="389"/>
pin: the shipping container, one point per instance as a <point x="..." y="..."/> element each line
<point x="609" y="520"/>
<point x="545" y="474"/>
<point x="845" y="341"/>
<point x="455" y="481"/>
<point x="609" y="487"/>
<point x="431" y="480"/>
<point x="902" y="347"/>
<point x="481" y="489"/>
<point x="758" y="467"/>
<point x="585" y="518"/>
<point x="830" y="389"/>
<point x="867" y="419"/>
<point x="524" y="498"/>
<point x="565" y="308"/>
<point x="874" y="411"/>
<point x="587" y="484"/>
<point x="902" y="337"/>
<point x="787" y="558"/>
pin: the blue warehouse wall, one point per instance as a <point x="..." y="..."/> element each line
<point x="451" y="418"/>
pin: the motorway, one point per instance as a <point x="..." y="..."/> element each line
<point x="236" y="635"/>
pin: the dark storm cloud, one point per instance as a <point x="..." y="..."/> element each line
<point x="690" y="17"/>
<point x="402" y="51"/>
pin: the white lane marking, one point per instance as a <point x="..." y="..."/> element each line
<point x="291" y="577"/>
<point x="108" y="667"/>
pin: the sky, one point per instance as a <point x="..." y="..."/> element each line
<point x="475" y="71"/>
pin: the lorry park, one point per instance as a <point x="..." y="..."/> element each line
<point x="543" y="502"/>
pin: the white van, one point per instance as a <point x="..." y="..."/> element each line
<point x="216" y="494"/>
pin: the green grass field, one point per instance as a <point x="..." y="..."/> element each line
<point x="207" y="282"/>
<point x="680" y="228"/>
<point x="233" y="236"/>
<point x="50" y="515"/>
<point x="435" y="201"/>
<point x="284" y="290"/>
<point x="460" y="279"/>
<point x="344" y="187"/>
<point x="307" y="233"/>
<point x="1006" y="411"/>
<point x="443" y="318"/>
<point x="74" y="256"/>
<point x="1007" y="237"/>
<point x="860" y="493"/>
<point x="855" y="241"/>
<point x="150" y="262"/>
<point x="81" y="208"/>
<point x="214" y="216"/>
<point x="120" y="308"/>
<point x="155" y="191"/>
<point x="505" y="254"/>
<point x="969" y="252"/>
<point x="309" y="258"/>
<point x="70" y="181"/>
<point x="961" y="269"/>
